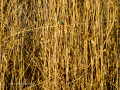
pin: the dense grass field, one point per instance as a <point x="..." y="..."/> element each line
<point x="37" y="53"/>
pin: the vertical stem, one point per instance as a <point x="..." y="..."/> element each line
<point x="1" y="45"/>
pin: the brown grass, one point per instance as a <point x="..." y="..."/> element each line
<point x="36" y="53"/>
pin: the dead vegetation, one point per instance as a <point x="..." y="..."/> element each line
<point x="37" y="54"/>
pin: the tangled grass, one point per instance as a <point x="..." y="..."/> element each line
<point x="36" y="53"/>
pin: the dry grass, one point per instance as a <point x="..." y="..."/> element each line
<point x="37" y="54"/>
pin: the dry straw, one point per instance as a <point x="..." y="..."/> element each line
<point x="37" y="53"/>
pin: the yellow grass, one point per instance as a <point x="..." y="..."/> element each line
<point x="36" y="53"/>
